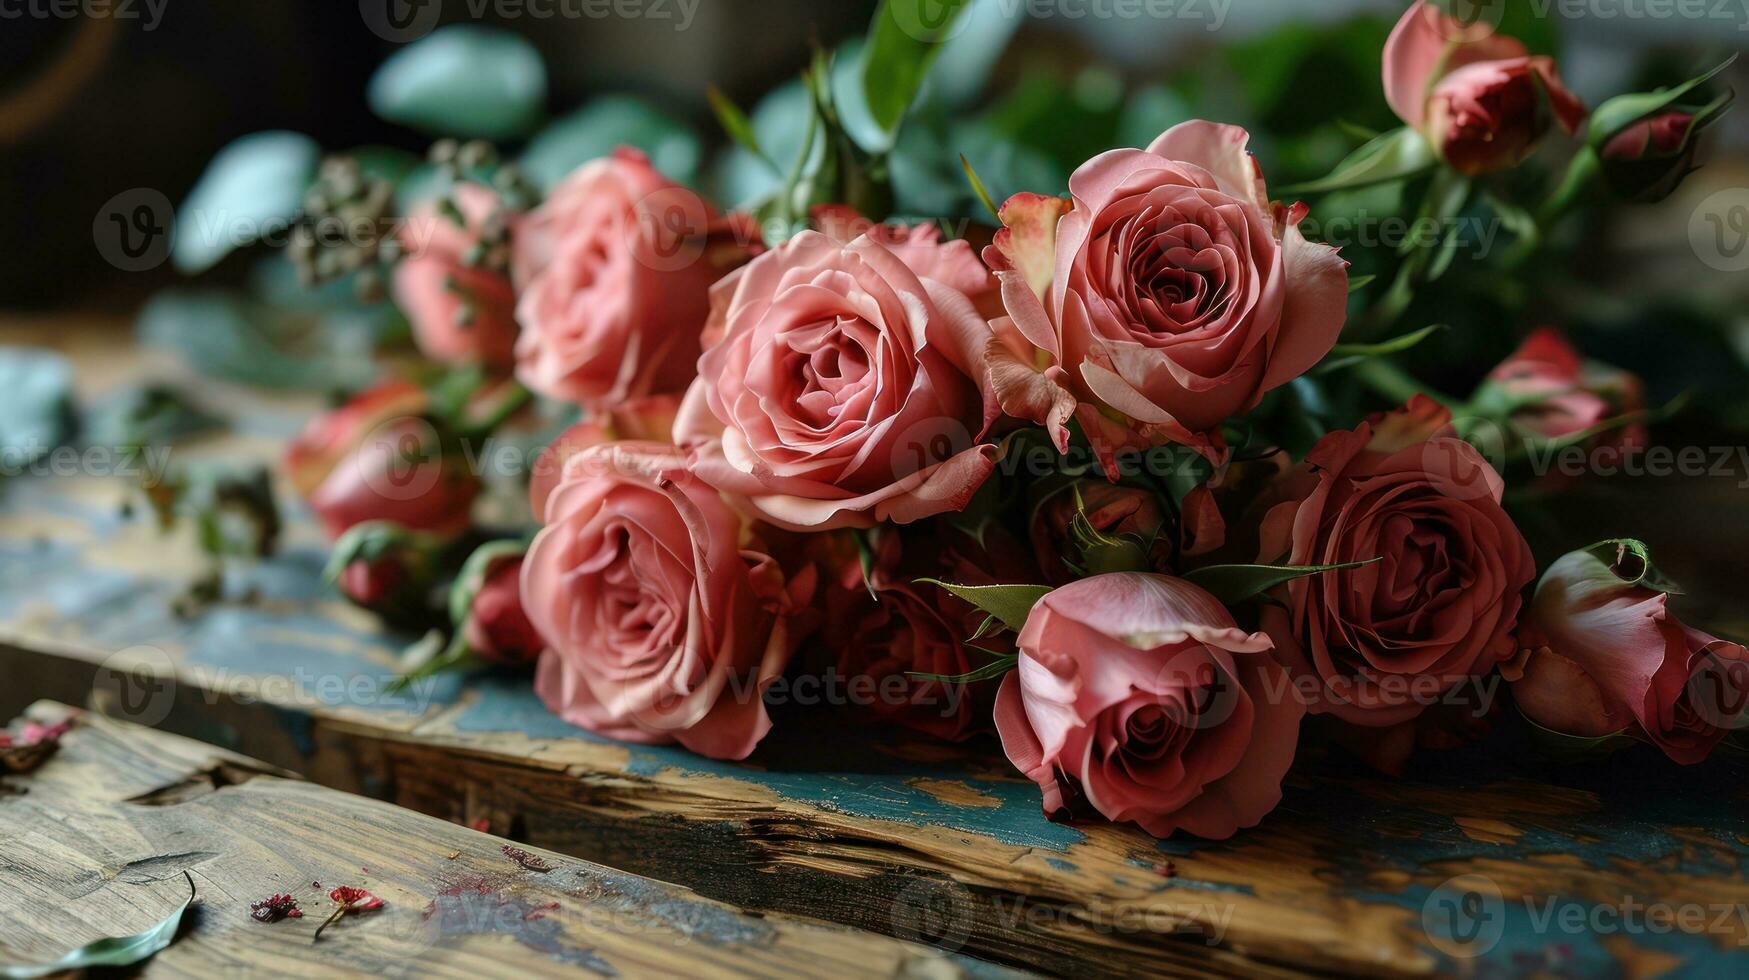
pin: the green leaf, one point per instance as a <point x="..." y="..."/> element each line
<point x="1358" y="283"/>
<point x="904" y="40"/>
<point x="1233" y="584"/>
<point x="979" y="189"/>
<point x="1348" y="355"/>
<point x="465" y="81"/>
<point x="1009" y="603"/>
<point x="1397" y="155"/>
<point x="255" y="184"/>
<point x="472" y="578"/>
<point x="118" y="951"/>
<point x="1561" y="747"/>
<point x="1631" y="561"/>
<point x="995" y="668"/>
<point x="738" y="126"/>
<point x="604" y="125"/>
<point x="36" y="404"/>
<point x="1624" y="110"/>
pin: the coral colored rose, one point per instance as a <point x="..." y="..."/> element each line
<point x="1602" y="654"/>
<point x="333" y="435"/>
<point x="497" y="628"/>
<point x="664" y="619"/>
<point x="1545" y="389"/>
<point x="1167" y="296"/>
<point x="398" y="471"/>
<point x="462" y="309"/>
<point x="837" y="390"/>
<point x="1480" y="98"/>
<point x="641" y="420"/>
<point x="1375" y="645"/>
<point x="1138" y="693"/>
<point x="908" y="627"/>
<point x="615" y="271"/>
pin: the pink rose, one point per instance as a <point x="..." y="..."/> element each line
<point x="1547" y="390"/>
<point x="837" y="386"/>
<point x="1138" y="693"/>
<point x="1648" y="160"/>
<point x="1479" y="97"/>
<point x="615" y="271"/>
<point x="462" y="308"/>
<point x="1168" y="296"/>
<point x="1602" y="654"/>
<point x="332" y="436"/>
<point x="1437" y="604"/>
<point x="398" y="473"/>
<point x="664" y="617"/>
<point x="1661" y="134"/>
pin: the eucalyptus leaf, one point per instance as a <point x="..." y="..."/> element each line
<point x="253" y="185"/>
<point x="905" y="39"/>
<point x="1397" y="155"/>
<point x="604" y="125"/>
<point x="117" y="951"/>
<point x="463" y="80"/>
<point x="1009" y="603"/>
<point x="36" y="404"/>
<point x="225" y="335"/>
<point x="1233" y="584"/>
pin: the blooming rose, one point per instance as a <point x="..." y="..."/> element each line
<point x="1479" y="97"/>
<point x="836" y="389"/>
<point x="1138" y="692"/>
<point x="1438" y="600"/>
<point x="615" y="271"/>
<point x="909" y="627"/>
<point x="1602" y="654"/>
<point x="1546" y="390"/>
<point x="664" y="618"/>
<point x="640" y="420"/>
<point x="1168" y="295"/>
<point x="462" y="308"/>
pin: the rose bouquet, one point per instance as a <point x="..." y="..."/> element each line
<point x="1130" y="476"/>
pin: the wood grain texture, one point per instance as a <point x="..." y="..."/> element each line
<point x="97" y="841"/>
<point x="1354" y="874"/>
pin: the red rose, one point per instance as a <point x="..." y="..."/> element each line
<point x="1438" y="601"/>
<point x="496" y="627"/>
<point x="1545" y="389"/>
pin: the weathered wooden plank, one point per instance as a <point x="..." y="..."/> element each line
<point x="1352" y="875"/>
<point x="96" y="843"/>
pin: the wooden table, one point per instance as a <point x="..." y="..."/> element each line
<point x="1354" y="874"/>
<point x="108" y="837"/>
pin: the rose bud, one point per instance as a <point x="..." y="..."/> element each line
<point x="1092" y="526"/>
<point x="1545" y="390"/>
<point x="664" y="613"/>
<point x="1437" y="595"/>
<point x="388" y="569"/>
<point x="839" y="385"/>
<point x="333" y="435"/>
<point x="402" y="472"/>
<point x="1480" y="98"/>
<point x="486" y="606"/>
<point x="454" y="284"/>
<point x="615" y="271"/>
<point x="1648" y="160"/>
<point x="1168" y="295"/>
<point x="1137" y="694"/>
<point x="1602" y="654"/>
